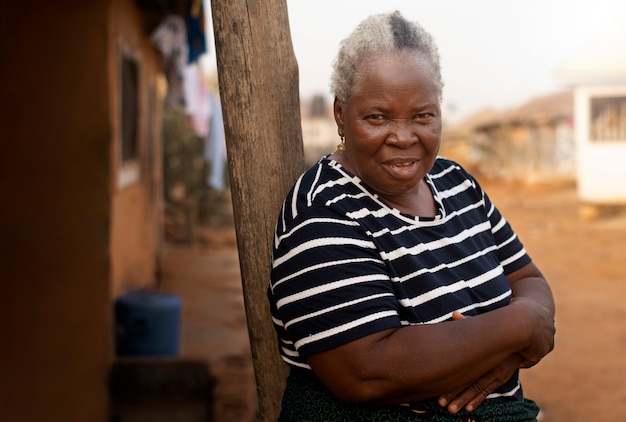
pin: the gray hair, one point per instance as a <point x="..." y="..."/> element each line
<point x="379" y="33"/>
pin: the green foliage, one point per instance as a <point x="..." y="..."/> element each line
<point x="185" y="171"/>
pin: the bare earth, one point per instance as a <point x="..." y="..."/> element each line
<point x="584" y="378"/>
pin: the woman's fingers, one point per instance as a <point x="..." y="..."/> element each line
<point x="477" y="392"/>
<point x="457" y="316"/>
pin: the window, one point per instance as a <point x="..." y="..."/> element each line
<point x="129" y="79"/>
<point x="608" y="119"/>
<point x="130" y="109"/>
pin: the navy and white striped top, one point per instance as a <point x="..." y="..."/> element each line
<point x="347" y="265"/>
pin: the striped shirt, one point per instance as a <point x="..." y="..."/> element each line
<point x="346" y="265"/>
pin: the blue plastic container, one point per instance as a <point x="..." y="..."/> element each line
<point x="147" y="324"/>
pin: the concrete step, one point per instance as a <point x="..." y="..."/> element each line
<point x="161" y="390"/>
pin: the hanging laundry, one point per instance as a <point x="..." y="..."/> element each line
<point x="215" y="147"/>
<point x="205" y="116"/>
<point x="170" y="38"/>
<point x="196" y="36"/>
<point x="198" y="103"/>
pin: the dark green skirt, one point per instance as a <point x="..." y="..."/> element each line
<point x="306" y="399"/>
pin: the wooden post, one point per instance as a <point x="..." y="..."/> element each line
<point x="258" y="78"/>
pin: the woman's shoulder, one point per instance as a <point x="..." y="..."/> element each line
<point x="319" y="173"/>
<point x="449" y="174"/>
<point x="318" y="184"/>
<point x="319" y="202"/>
<point x="446" y="167"/>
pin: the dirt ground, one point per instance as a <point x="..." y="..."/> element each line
<point x="584" y="259"/>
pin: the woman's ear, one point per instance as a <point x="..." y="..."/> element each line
<point x="338" y="112"/>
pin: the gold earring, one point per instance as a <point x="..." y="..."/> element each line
<point x="341" y="147"/>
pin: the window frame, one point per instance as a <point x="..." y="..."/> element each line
<point x="129" y="160"/>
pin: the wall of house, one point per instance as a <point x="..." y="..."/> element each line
<point x="600" y="164"/>
<point x="71" y="236"/>
<point x="56" y="331"/>
<point x="319" y="136"/>
<point x="136" y="199"/>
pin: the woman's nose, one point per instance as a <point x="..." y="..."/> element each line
<point x="404" y="133"/>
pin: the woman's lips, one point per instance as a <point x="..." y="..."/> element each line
<point x="403" y="164"/>
<point x="402" y="168"/>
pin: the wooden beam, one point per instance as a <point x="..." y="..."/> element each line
<point x="258" y="78"/>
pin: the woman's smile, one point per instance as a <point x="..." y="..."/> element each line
<point x="402" y="168"/>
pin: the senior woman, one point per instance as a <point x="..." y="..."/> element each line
<point x="398" y="291"/>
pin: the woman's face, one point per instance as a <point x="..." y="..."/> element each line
<point x="392" y="126"/>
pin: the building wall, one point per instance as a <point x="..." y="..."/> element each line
<point x="319" y="136"/>
<point x="600" y="164"/>
<point x="70" y="235"/>
<point x="136" y="199"/>
<point x="56" y="344"/>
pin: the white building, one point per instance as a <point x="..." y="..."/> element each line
<point x="598" y="76"/>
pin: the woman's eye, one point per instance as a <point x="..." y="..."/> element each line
<point x="424" y="118"/>
<point x="376" y="118"/>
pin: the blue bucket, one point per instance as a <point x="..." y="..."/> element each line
<point x="147" y="324"/>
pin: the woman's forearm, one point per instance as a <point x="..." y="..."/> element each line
<point x="422" y="361"/>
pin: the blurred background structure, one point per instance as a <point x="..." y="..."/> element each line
<point x="83" y="90"/>
<point x="110" y="185"/>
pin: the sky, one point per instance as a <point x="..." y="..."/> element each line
<point x="494" y="54"/>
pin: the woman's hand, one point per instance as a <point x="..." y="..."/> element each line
<point x="473" y="395"/>
<point x="534" y="305"/>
